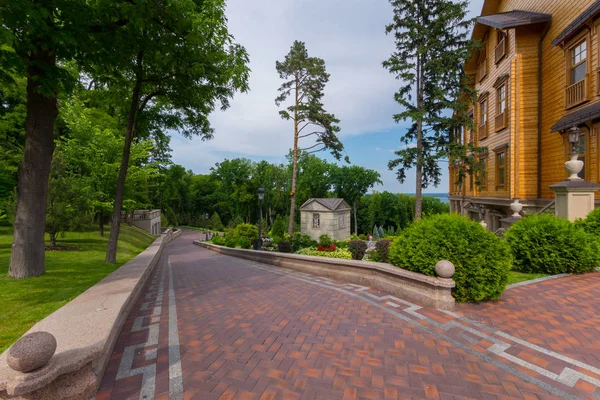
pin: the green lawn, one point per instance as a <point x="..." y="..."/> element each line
<point x="68" y="274"/>
<point x="515" y="277"/>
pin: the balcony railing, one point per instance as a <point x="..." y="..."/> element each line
<point x="482" y="70"/>
<point x="500" y="51"/>
<point x="577" y="93"/>
<point x="483" y="129"/>
<point x="501" y="121"/>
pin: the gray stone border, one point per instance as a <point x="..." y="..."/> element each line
<point x="538" y="280"/>
<point x="86" y="330"/>
<point x="427" y="290"/>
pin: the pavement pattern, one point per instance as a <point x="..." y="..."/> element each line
<point x="208" y="326"/>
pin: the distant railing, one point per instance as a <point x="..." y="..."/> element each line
<point x="482" y="70"/>
<point x="577" y="93"/>
<point x="501" y="121"/>
<point x="500" y="50"/>
<point x="483" y="129"/>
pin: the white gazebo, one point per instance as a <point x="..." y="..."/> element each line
<point x="325" y="216"/>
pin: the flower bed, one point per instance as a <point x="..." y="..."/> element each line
<point x="337" y="253"/>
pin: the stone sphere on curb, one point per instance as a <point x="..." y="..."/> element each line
<point x="31" y="352"/>
<point x="444" y="269"/>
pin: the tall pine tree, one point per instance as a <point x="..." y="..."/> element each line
<point x="305" y="78"/>
<point x="432" y="44"/>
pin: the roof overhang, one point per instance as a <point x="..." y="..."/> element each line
<point x="577" y="23"/>
<point x="577" y="118"/>
<point x="514" y="19"/>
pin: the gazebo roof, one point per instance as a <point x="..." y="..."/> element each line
<point x="330" y="204"/>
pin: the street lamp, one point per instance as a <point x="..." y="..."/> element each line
<point x="261" y="196"/>
<point x="207" y="230"/>
<point x="574" y="165"/>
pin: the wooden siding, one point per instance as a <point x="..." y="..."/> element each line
<point x="521" y="135"/>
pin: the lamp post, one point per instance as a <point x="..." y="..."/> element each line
<point x="207" y="230"/>
<point x="261" y="196"/>
<point x="574" y="165"/>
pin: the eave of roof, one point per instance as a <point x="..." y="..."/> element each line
<point x="578" y="23"/>
<point x="578" y="117"/>
<point x="514" y="19"/>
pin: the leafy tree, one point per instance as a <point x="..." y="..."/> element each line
<point x="278" y="230"/>
<point x="174" y="62"/>
<point x="305" y="78"/>
<point x="351" y="183"/>
<point x="432" y="44"/>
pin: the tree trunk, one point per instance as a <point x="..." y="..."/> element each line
<point x="111" y="251"/>
<point x="355" y="220"/>
<point x="294" y="167"/>
<point x="101" y="222"/>
<point x="27" y="257"/>
<point x="53" y="239"/>
<point x="419" y="173"/>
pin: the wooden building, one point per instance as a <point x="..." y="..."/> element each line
<point x="537" y="76"/>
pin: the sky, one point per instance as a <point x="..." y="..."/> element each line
<point x="350" y="36"/>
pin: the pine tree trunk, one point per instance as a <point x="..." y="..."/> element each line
<point x="294" y="167"/>
<point x="28" y="252"/>
<point x="111" y="251"/>
<point x="419" y="172"/>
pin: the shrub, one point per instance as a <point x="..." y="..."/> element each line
<point x="341" y="244"/>
<point x="355" y="237"/>
<point x="246" y="243"/>
<point x="284" y="247"/>
<point x="382" y="248"/>
<point x="380" y="232"/>
<point x="325" y="241"/>
<point x="300" y="241"/>
<point x="230" y="241"/>
<point x="591" y="224"/>
<point x="375" y="233"/>
<point x="362" y="236"/>
<point x="218" y="240"/>
<point x="357" y="249"/>
<point x="247" y="231"/>
<point x="338" y="253"/>
<point x="279" y="228"/>
<point x="333" y="247"/>
<point x="482" y="260"/>
<point x="547" y="244"/>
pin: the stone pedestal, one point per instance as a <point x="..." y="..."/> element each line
<point x="574" y="198"/>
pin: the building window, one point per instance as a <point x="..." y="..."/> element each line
<point x="578" y="62"/>
<point x="483" y="119"/>
<point x="482" y="64"/>
<point x="577" y="90"/>
<point x="501" y="47"/>
<point x="316" y="221"/>
<point x="342" y="221"/>
<point x="501" y="169"/>
<point x="501" y="121"/>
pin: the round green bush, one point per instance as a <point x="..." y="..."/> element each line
<point x="481" y="259"/>
<point x="245" y="243"/>
<point x="284" y="247"/>
<point x="230" y="241"/>
<point x="357" y="249"/>
<point x="383" y="250"/>
<point x="325" y="240"/>
<point x="218" y="240"/>
<point x="546" y="244"/>
<point x="591" y="224"/>
<point x="300" y="241"/>
<point x="248" y="231"/>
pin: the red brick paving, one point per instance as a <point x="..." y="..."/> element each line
<point x="250" y="333"/>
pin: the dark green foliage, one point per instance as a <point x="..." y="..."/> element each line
<point x="247" y="231"/>
<point x="215" y="223"/>
<point x="357" y="248"/>
<point x="341" y="244"/>
<point x="284" y="247"/>
<point x="382" y="247"/>
<point x="325" y="240"/>
<point x="544" y="243"/>
<point x="482" y="260"/>
<point x="301" y="241"/>
<point x="279" y="228"/>
<point x="218" y="240"/>
<point x="231" y="241"/>
<point x="375" y="233"/>
<point x="362" y="236"/>
<point x="591" y="224"/>
<point x="380" y="232"/>
<point x="244" y="242"/>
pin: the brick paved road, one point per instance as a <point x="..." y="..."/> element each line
<point x="214" y="327"/>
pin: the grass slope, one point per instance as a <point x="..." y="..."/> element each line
<point x="68" y="274"/>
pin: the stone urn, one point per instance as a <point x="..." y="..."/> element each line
<point x="574" y="167"/>
<point x="516" y="208"/>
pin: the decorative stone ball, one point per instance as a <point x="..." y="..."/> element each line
<point x="444" y="269"/>
<point x="31" y="352"/>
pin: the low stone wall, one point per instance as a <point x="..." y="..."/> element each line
<point x="86" y="330"/>
<point x="427" y="290"/>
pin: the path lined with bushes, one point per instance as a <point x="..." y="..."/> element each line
<point x="253" y="331"/>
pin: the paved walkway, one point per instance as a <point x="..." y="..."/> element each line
<point x="214" y="327"/>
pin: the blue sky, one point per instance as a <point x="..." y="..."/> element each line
<point x="349" y="35"/>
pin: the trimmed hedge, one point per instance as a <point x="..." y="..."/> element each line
<point x="284" y="247"/>
<point x="301" y="241"/>
<point x="547" y="244"/>
<point x="382" y="251"/>
<point x="591" y="224"/>
<point x="357" y="248"/>
<point x="481" y="259"/>
<point x="218" y="240"/>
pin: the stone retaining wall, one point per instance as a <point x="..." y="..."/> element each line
<point x="427" y="290"/>
<point x="86" y="330"/>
